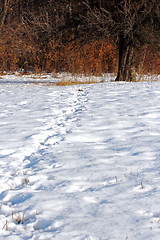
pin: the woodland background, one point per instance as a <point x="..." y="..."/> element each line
<point x="52" y="36"/>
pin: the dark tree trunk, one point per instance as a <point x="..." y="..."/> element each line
<point x="126" y="64"/>
<point x="3" y="13"/>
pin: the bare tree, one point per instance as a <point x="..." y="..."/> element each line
<point x="4" y="5"/>
<point x="131" y="24"/>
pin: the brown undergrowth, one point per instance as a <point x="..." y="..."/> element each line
<point x="19" y="51"/>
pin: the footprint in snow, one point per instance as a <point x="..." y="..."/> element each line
<point x="77" y="187"/>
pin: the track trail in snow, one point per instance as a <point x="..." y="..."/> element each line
<point x="65" y="111"/>
<point x="80" y="165"/>
<point x="24" y="164"/>
<point x="59" y="116"/>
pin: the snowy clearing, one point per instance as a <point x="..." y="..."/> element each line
<point x="79" y="162"/>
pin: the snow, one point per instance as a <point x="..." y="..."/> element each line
<point x="79" y="165"/>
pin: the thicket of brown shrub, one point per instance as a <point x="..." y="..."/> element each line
<point x="22" y="53"/>
<point x="19" y="51"/>
<point x="94" y="58"/>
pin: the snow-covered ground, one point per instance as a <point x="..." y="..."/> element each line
<point x="79" y="162"/>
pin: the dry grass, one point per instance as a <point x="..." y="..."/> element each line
<point x="77" y="82"/>
<point x="18" y="218"/>
<point x="23" y="73"/>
